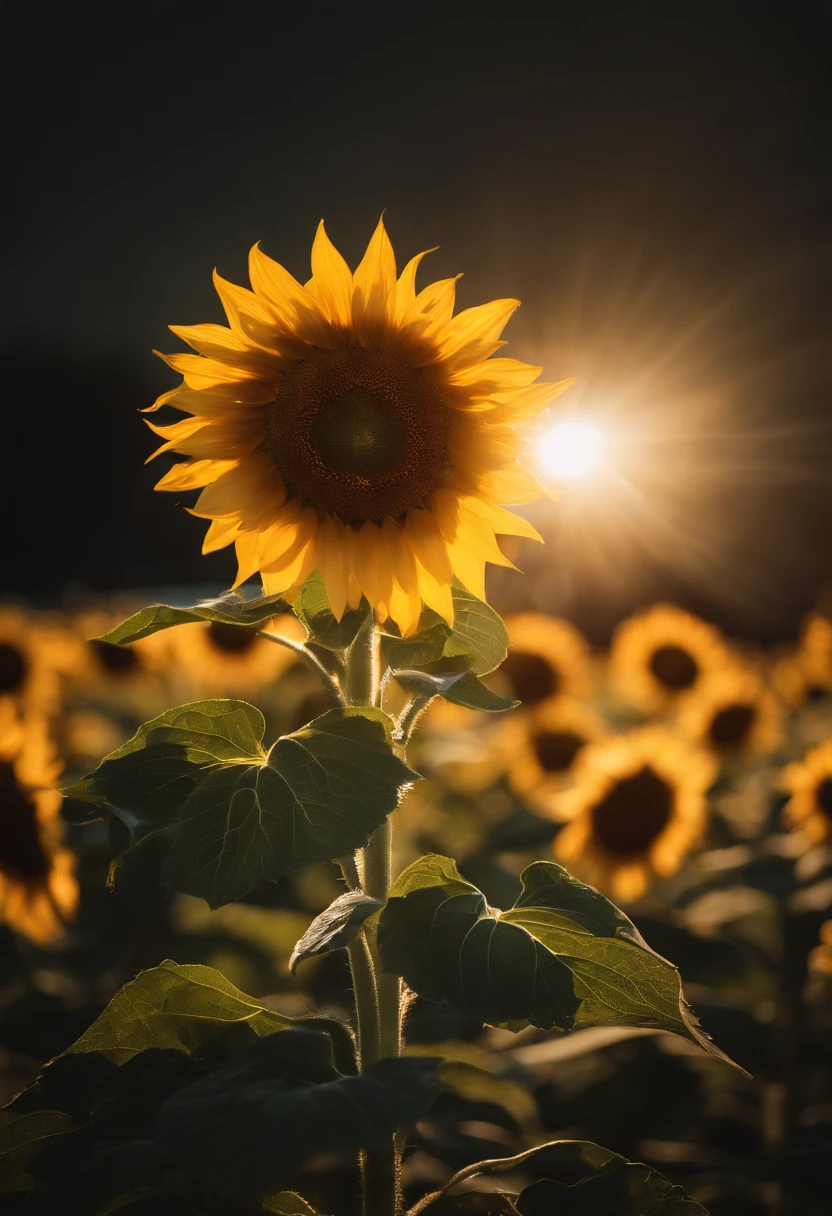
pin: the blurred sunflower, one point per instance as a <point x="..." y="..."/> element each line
<point x="820" y="959"/>
<point x="217" y="659"/>
<point x="541" y="748"/>
<point x="27" y="675"/>
<point x="639" y="806"/>
<point x="354" y="426"/>
<point x="38" y="892"/>
<point x="663" y="653"/>
<point x="805" y="673"/>
<point x="733" y="713"/>
<point x="124" y="679"/>
<point x="809" y="782"/>
<point x="547" y="658"/>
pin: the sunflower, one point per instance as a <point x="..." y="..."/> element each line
<point x="541" y="747"/>
<point x="548" y="658"/>
<point x="639" y="806"/>
<point x="357" y="427"/>
<point x="663" y="653"/>
<point x="809" y="783"/>
<point x="733" y="714"/>
<point x="805" y="673"/>
<point x="38" y="892"/>
<point x="218" y="659"/>
<point x="27" y="675"/>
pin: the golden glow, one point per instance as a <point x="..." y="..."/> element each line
<point x="571" y="450"/>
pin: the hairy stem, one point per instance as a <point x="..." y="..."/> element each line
<point x="379" y="1023"/>
<point x="303" y="652"/>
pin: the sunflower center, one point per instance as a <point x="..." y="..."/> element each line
<point x="730" y="727"/>
<point x="674" y="667"/>
<point x="823" y="797"/>
<point x="13" y="668"/>
<point x="556" y="749"/>
<point x="359" y="434"/>
<point x="118" y="660"/>
<point x="230" y="639"/>
<point x="21" y="852"/>
<point x="532" y="678"/>
<point x="633" y="814"/>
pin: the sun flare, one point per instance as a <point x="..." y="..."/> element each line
<point x="572" y="450"/>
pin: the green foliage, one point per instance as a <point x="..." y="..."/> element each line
<point x="85" y="1130"/>
<point x="313" y="611"/>
<point x="336" y="926"/>
<point x="243" y="1129"/>
<point x="229" y="610"/>
<point x="459" y="687"/>
<point x="562" y="958"/>
<point x="478" y="641"/>
<point x="236" y="817"/>
<point x="572" y="1178"/>
<point x="22" y="1137"/>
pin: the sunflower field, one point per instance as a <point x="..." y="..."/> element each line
<point x="359" y="887"/>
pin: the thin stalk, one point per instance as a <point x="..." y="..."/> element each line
<point x="304" y="653"/>
<point x="380" y="1168"/>
<point x="362" y="966"/>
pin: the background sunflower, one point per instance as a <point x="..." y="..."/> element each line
<point x="637" y="809"/>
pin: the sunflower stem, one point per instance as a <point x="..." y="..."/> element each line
<point x="378" y="1010"/>
<point x="304" y="653"/>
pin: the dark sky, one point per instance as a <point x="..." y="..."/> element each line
<point x="651" y="180"/>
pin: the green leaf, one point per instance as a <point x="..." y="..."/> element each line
<point x="459" y="687"/>
<point x="478" y="641"/>
<point x="21" y="1137"/>
<point x="237" y="817"/>
<point x="573" y="1178"/>
<point x="174" y="1005"/>
<point x="630" y="1190"/>
<point x="562" y="958"/>
<point x="313" y="610"/>
<point x="336" y="926"/>
<point x="287" y="1203"/>
<point x="229" y="610"/>
<point x="244" y="1128"/>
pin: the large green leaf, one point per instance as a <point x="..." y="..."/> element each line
<point x="281" y="1101"/>
<point x="569" y="1178"/>
<point x="478" y="641"/>
<point x="314" y="612"/>
<point x="229" y="610"/>
<point x="236" y="817"/>
<point x="82" y="1131"/>
<point x="21" y="1138"/>
<point x="173" y="1005"/>
<point x="336" y="926"/>
<point x="562" y="958"/>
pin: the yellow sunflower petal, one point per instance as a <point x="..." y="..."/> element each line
<point x="331" y="282"/>
<point x="220" y="534"/>
<point x="374" y="286"/>
<point x="406" y="286"/>
<point x="192" y="474"/>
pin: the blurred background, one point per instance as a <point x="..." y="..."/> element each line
<point x="650" y="180"/>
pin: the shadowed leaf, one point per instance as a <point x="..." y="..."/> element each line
<point x="562" y="958"/>
<point x="336" y="926"/>
<point x="236" y="817"/>
<point x="21" y="1137"/>
<point x="459" y="687"/>
<point x="230" y="610"/>
<point x="571" y="1178"/>
<point x="247" y="1126"/>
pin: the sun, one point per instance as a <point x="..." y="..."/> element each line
<point x="571" y="450"/>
